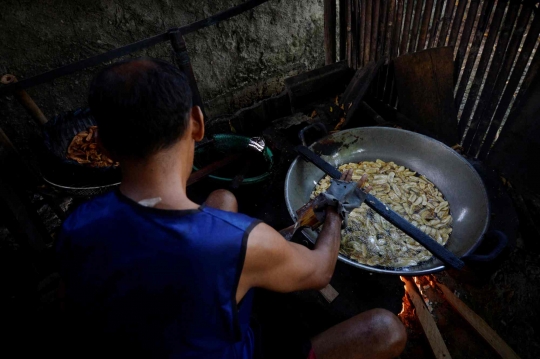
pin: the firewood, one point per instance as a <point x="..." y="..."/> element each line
<point x="485" y="331"/>
<point x="433" y="335"/>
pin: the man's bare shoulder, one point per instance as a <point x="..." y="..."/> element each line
<point x="265" y="240"/>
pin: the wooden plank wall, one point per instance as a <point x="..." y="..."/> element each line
<point x="494" y="42"/>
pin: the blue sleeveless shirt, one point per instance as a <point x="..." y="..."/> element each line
<point x="161" y="282"/>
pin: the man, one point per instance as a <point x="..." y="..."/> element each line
<point x="148" y="272"/>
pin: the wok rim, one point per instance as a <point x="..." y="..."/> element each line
<point x="399" y="271"/>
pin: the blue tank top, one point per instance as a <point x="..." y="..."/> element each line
<point x="161" y="282"/>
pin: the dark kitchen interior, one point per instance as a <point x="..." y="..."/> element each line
<point x="463" y="73"/>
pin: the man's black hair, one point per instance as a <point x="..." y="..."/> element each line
<point x="141" y="106"/>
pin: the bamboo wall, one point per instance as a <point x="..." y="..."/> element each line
<point x="494" y="44"/>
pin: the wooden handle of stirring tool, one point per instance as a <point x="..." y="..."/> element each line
<point x="24" y="99"/>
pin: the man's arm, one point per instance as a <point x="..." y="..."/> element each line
<point x="273" y="263"/>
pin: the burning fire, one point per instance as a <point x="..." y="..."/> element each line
<point x="407" y="309"/>
<point x="408" y="313"/>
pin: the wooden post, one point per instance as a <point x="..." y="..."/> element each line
<point x="350" y="38"/>
<point x="362" y="38"/>
<point x="445" y="25"/>
<point x="330" y="31"/>
<point x="374" y="29"/>
<point x="406" y="27"/>
<point x="342" y="29"/>
<point x="356" y="29"/>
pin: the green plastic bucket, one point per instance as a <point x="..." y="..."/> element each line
<point x="228" y="143"/>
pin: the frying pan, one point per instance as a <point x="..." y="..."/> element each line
<point x="63" y="174"/>
<point x="452" y="174"/>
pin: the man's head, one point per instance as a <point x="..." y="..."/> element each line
<point x="141" y="106"/>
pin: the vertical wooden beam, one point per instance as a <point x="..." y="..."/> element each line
<point x="368" y="28"/>
<point x="350" y="38"/>
<point x="342" y="29"/>
<point x="415" y="25"/>
<point x="456" y="23"/>
<point x="385" y="25"/>
<point x="425" y="26"/>
<point x="361" y="24"/>
<point x="363" y="27"/>
<point x="435" y="24"/>
<point x="406" y="28"/>
<point x="390" y="96"/>
<point x="389" y="20"/>
<point x="394" y="47"/>
<point x="357" y="30"/>
<point x="446" y="20"/>
<point x="374" y="30"/>
<point x="329" y="31"/>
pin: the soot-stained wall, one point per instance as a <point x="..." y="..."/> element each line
<point x="236" y="62"/>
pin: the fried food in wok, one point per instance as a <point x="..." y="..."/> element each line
<point x="85" y="150"/>
<point x="369" y="238"/>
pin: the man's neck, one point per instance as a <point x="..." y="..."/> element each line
<point x="163" y="175"/>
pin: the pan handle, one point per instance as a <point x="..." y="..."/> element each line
<point x="316" y="125"/>
<point x="502" y="242"/>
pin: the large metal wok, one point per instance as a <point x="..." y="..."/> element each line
<point x="451" y="173"/>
